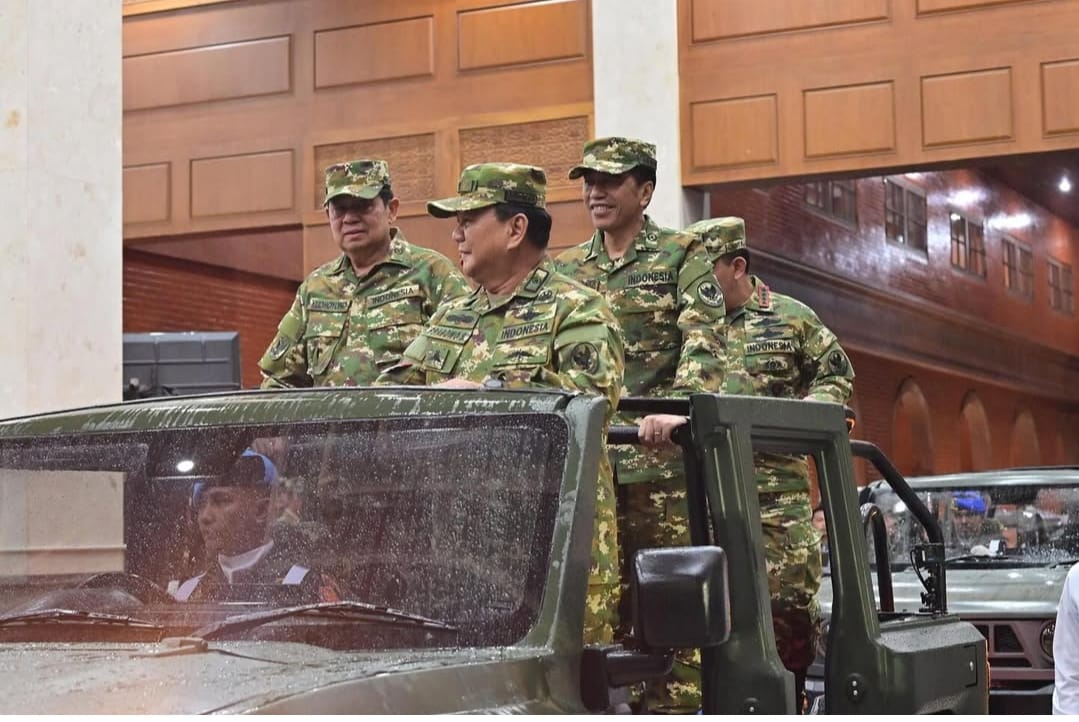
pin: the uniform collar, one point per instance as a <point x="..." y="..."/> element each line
<point x="761" y="298"/>
<point x="647" y="239"/>
<point x="400" y="255"/>
<point x="528" y="288"/>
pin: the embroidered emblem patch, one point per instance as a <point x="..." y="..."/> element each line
<point x="280" y="347"/>
<point x="710" y="294"/>
<point x="837" y="362"/>
<point x="585" y="357"/>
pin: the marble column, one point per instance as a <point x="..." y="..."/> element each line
<point x="635" y="87"/>
<point x="60" y="204"/>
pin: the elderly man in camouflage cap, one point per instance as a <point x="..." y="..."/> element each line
<point x="776" y="346"/>
<point x="354" y="316"/>
<point x="659" y="282"/>
<point x="525" y="325"/>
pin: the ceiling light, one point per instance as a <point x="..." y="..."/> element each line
<point x="185" y="466"/>
<point x="1012" y="222"/>
<point x="966" y="197"/>
<point x="1065" y="185"/>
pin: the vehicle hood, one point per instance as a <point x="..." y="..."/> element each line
<point x="1017" y="593"/>
<point x="56" y="678"/>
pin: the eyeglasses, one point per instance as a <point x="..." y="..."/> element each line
<point x="343" y="205"/>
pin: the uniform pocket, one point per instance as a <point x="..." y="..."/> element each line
<point x="322" y="337"/>
<point x="648" y="315"/>
<point x="392" y="327"/>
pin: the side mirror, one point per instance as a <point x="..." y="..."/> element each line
<point x="680" y="597"/>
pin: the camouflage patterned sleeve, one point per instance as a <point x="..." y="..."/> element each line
<point x="445" y="284"/>
<point x="590" y="351"/>
<point x="284" y="365"/>
<point x="830" y="374"/>
<point x="702" y="322"/>
<point x="409" y="370"/>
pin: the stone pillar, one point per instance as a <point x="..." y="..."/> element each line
<point x="60" y="204"/>
<point x="635" y="86"/>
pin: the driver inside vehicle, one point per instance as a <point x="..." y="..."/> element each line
<point x="234" y="515"/>
<point x="972" y="529"/>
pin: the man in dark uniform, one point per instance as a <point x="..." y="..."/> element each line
<point x="234" y="518"/>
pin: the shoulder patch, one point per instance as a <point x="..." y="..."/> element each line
<point x="585" y="357"/>
<point x="710" y="295"/>
<point x="279" y="347"/>
<point x="837" y="362"/>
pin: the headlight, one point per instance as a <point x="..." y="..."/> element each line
<point x="1046" y="638"/>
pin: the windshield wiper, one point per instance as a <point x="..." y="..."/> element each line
<point x="77" y="616"/>
<point x="357" y="611"/>
<point x="980" y="558"/>
<point x="1063" y="563"/>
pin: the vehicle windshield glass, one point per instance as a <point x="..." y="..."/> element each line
<point x="1025" y="524"/>
<point x="448" y="518"/>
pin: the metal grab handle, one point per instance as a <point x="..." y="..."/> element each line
<point x="873" y="517"/>
<point x="627" y="435"/>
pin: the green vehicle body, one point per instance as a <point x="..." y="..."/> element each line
<point x="693" y="597"/>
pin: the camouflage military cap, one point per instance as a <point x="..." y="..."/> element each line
<point x="721" y="235"/>
<point x="363" y="178"/>
<point x="614" y="156"/>
<point x="486" y="184"/>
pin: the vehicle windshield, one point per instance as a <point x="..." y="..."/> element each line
<point x="1022" y="524"/>
<point x="449" y="519"/>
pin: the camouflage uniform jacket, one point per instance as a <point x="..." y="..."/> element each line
<point x="776" y="346"/>
<point x="664" y="294"/>
<point x="342" y="329"/>
<point x="550" y="332"/>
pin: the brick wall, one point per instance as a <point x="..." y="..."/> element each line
<point x="167" y="294"/>
<point x="778" y="221"/>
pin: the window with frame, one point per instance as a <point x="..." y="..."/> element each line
<point x="968" y="245"/>
<point x="1018" y="268"/>
<point x="836" y="198"/>
<point x="904" y="216"/>
<point x="1061" y="293"/>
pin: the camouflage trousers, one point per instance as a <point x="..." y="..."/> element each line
<point x="655" y="514"/>
<point x="601" y="613"/>
<point x="604" y="589"/>
<point x="792" y="556"/>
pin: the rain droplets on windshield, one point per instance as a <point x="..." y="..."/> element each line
<point x="1022" y="523"/>
<point x="451" y="519"/>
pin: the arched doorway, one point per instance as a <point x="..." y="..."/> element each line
<point x="975" y="447"/>
<point x="1025" y="450"/>
<point x="912" y="437"/>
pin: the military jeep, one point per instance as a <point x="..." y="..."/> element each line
<point x="1010" y="537"/>
<point x="450" y="535"/>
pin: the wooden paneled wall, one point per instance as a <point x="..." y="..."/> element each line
<point x="775" y="88"/>
<point x="232" y="110"/>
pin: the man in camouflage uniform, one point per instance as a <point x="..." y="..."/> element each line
<point x="525" y="325"/>
<point x="660" y="284"/>
<point x="354" y="315"/>
<point x="776" y="346"/>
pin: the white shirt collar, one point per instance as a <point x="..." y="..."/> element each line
<point x="245" y="560"/>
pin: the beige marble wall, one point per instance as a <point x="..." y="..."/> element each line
<point x="635" y="84"/>
<point x="60" y="204"/>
